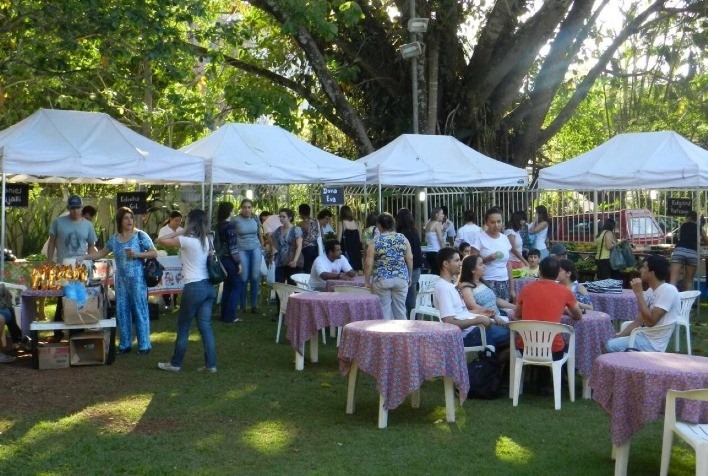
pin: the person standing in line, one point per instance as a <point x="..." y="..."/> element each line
<point x="494" y="247"/>
<point x="388" y="267"/>
<point x="70" y="236"/>
<point x="129" y="246"/>
<point x="287" y="240"/>
<point x="604" y="242"/>
<point x="405" y="226"/>
<point x="434" y="239"/>
<point x="310" y="234"/>
<point x="540" y="230"/>
<point x="448" y="228"/>
<point x="370" y="230"/>
<point x="349" y="237"/>
<point x="518" y="220"/>
<point x="467" y="231"/>
<point x="172" y="225"/>
<point x="226" y="246"/>
<point x="250" y="248"/>
<point x="198" y="294"/>
<point x="685" y="254"/>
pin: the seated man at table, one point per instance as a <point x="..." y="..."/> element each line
<point x="453" y="310"/>
<point x="331" y="265"/>
<point x="659" y="305"/>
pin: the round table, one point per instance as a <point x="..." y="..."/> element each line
<point x="619" y="306"/>
<point x="632" y="386"/>
<point x="331" y="283"/>
<point x="401" y="355"/>
<point x="307" y="313"/>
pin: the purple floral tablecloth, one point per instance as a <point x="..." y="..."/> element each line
<point x="623" y="307"/>
<point x="401" y="355"/>
<point x="307" y="313"/>
<point x="632" y="386"/>
<point x="593" y="330"/>
<point x="331" y="283"/>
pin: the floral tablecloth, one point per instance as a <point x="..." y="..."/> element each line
<point x="623" y="306"/>
<point x="401" y="355"/>
<point x="307" y="313"/>
<point x="331" y="283"/>
<point x="632" y="386"/>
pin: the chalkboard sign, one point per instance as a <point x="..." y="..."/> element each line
<point x="332" y="196"/>
<point x="136" y="201"/>
<point x="679" y="206"/>
<point x="17" y="195"/>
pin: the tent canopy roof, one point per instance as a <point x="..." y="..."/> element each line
<point x="635" y="160"/>
<point x="90" y="147"/>
<point x="265" y="154"/>
<point x="436" y="160"/>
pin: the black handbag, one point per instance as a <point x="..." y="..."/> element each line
<point x="152" y="269"/>
<point x="216" y="271"/>
<point x="485" y="376"/>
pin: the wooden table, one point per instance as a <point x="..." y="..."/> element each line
<point x="307" y="313"/>
<point x="401" y="355"/>
<point x="632" y="386"/>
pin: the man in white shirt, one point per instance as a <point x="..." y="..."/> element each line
<point x="452" y="308"/>
<point x="331" y="265"/>
<point x="468" y="231"/>
<point x="659" y="305"/>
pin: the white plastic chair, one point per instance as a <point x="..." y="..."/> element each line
<point x="16" y="291"/>
<point x="647" y="331"/>
<point x="687" y="300"/>
<point x="430" y="310"/>
<point x="538" y="337"/>
<point x="283" y="291"/>
<point x="351" y="289"/>
<point x="424" y="304"/>
<point x="302" y="280"/>
<point x="695" y="434"/>
<point x="427" y="281"/>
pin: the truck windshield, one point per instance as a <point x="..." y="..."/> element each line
<point x="643" y="226"/>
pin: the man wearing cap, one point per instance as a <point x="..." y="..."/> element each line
<point x="71" y="236"/>
<point x="559" y="252"/>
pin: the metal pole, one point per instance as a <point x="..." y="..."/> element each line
<point x="414" y="77"/>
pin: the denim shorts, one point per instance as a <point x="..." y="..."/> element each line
<point x="685" y="256"/>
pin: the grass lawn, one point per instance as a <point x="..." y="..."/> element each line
<point x="257" y="415"/>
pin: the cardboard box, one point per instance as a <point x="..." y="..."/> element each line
<point x="53" y="356"/>
<point x="90" y="348"/>
<point x="91" y="313"/>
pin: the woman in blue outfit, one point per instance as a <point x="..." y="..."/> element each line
<point x="198" y="293"/>
<point x="129" y="246"/>
<point x="226" y="245"/>
<point x="250" y="247"/>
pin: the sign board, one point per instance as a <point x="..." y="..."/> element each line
<point x="136" y="201"/>
<point x="17" y="195"/>
<point x="679" y="206"/>
<point x="332" y="196"/>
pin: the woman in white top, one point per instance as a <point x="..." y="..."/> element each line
<point x="434" y="239"/>
<point x="494" y="248"/>
<point x="172" y="225"/>
<point x="198" y="293"/>
<point x="540" y="229"/>
<point x="518" y="219"/>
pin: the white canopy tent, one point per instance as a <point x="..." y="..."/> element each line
<point x="264" y="154"/>
<point x="87" y="147"/>
<point x="648" y="160"/>
<point x="436" y="160"/>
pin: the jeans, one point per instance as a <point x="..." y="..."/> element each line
<point x="498" y="336"/>
<point x="309" y="255"/>
<point x="251" y="273"/>
<point x="197" y="301"/>
<point x="232" y="289"/>
<point x="392" y="294"/>
<point x="412" y="291"/>
<point x="619" y="344"/>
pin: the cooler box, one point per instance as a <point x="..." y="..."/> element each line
<point x="90" y="348"/>
<point x="699" y="284"/>
<point x="53" y="356"/>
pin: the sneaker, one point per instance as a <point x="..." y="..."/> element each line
<point x="169" y="366"/>
<point x="6" y="359"/>
<point x="211" y="370"/>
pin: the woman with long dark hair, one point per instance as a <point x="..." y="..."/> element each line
<point x="405" y="226"/>
<point x="198" y="294"/>
<point x="349" y="237"/>
<point x="480" y="299"/>
<point x="434" y="239"/>
<point x="539" y="229"/>
<point x="516" y="223"/>
<point x="226" y="245"/>
<point x="604" y="242"/>
<point x="568" y="277"/>
<point x="287" y="240"/>
<point x="250" y="246"/>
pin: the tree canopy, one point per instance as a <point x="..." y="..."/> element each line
<point x="506" y="76"/>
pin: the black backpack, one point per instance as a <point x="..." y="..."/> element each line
<point x="485" y="376"/>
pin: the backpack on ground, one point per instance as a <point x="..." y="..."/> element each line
<point x="485" y="376"/>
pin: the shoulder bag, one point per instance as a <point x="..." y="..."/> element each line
<point x="485" y="376"/>
<point x="152" y="269"/>
<point x="216" y="271"/>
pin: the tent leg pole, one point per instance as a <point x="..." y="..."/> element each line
<point x="2" y="240"/>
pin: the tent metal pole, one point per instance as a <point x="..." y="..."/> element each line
<point x="699" y="228"/>
<point x="594" y="213"/>
<point x="211" y="201"/>
<point x="2" y="240"/>
<point x="378" y="176"/>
